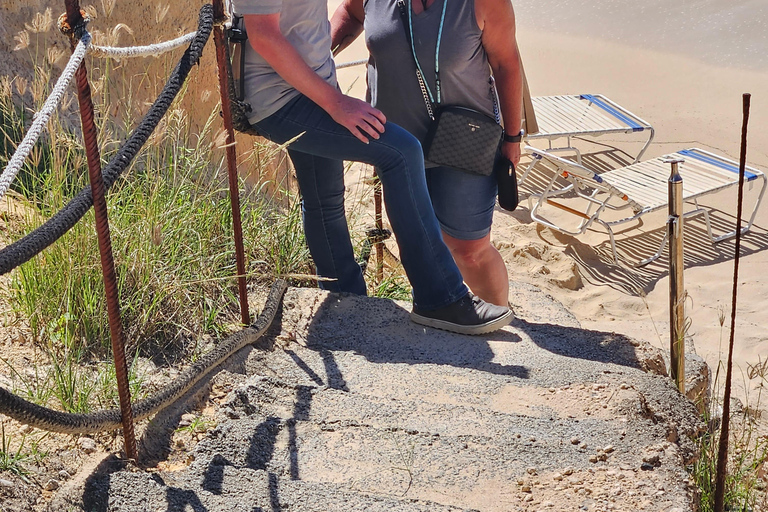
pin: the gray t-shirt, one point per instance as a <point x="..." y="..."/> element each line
<point x="305" y="25"/>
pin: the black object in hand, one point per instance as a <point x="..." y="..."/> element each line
<point x="506" y="180"/>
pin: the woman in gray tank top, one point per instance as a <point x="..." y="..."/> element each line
<point x="475" y="38"/>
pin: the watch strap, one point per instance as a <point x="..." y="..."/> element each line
<point x="513" y="138"/>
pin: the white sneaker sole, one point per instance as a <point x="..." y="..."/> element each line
<point x="472" y="330"/>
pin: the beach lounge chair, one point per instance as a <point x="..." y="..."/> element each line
<point x="568" y="116"/>
<point x="639" y="188"/>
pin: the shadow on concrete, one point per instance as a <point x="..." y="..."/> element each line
<point x="384" y="333"/>
<point x="578" y="343"/>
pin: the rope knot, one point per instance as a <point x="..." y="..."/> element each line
<point x="75" y="33"/>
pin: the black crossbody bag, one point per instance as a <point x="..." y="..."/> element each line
<point x="458" y="137"/>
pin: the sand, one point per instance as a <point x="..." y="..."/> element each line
<point x="683" y="69"/>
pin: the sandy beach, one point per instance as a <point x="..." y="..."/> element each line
<point x="683" y="69"/>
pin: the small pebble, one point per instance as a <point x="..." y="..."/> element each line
<point x="531" y="471"/>
<point x="5" y="483"/>
<point x="64" y="474"/>
<point x="187" y="419"/>
<point x="557" y="477"/>
<point x="552" y="390"/>
<point x="526" y="488"/>
<point x="87" y="444"/>
<point x="52" y="485"/>
<point x="575" y="440"/>
<point x="528" y="498"/>
<point x="608" y="449"/>
<point x="568" y="471"/>
<point x="593" y="458"/>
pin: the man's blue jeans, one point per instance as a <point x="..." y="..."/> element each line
<point x="318" y="156"/>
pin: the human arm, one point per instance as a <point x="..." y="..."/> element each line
<point x="346" y="24"/>
<point x="267" y="40"/>
<point x="496" y="19"/>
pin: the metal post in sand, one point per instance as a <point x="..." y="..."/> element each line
<point x="74" y="24"/>
<point x="676" y="285"/>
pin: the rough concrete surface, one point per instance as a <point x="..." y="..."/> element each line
<point x="349" y="406"/>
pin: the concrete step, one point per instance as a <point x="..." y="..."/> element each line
<point x="350" y="406"/>
<point x="224" y="487"/>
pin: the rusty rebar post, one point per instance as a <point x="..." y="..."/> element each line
<point x="234" y="190"/>
<point x="75" y="23"/>
<point x="722" y="448"/>
<point x="380" y="227"/>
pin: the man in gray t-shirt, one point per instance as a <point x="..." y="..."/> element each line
<point x="305" y="25"/>
<point x="290" y="82"/>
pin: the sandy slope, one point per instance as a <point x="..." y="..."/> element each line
<point x="690" y="102"/>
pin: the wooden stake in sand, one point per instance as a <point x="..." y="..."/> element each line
<point x="722" y="452"/>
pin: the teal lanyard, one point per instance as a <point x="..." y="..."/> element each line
<point x="437" y="52"/>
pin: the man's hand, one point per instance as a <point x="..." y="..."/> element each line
<point x="357" y="116"/>
<point x="266" y="39"/>
<point x="511" y="151"/>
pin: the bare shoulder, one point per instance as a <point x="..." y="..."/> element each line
<point x="494" y="12"/>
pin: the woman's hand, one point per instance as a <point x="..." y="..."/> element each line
<point x="511" y="151"/>
<point x="357" y="116"/>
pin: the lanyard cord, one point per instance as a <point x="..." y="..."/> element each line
<point x="437" y="51"/>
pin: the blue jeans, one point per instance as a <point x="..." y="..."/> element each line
<point x="318" y="156"/>
<point x="463" y="202"/>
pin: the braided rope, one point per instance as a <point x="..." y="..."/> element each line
<point x="43" y="116"/>
<point x="140" y="51"/>
<point x="54" y="228"/>
<point x="343" y="65"/>
<point x="110" y="419"/>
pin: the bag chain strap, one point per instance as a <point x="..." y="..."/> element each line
<point x="420" y="77"/>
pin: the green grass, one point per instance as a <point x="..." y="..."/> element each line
<point x="171" y="235"/>
<point x="12" y="460"/>
<point x="747" y="467"/>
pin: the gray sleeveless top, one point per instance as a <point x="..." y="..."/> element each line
<point x="464" y="68"/>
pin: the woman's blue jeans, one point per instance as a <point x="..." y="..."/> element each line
<point x="318" y="156"/>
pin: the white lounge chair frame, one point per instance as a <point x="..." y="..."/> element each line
<point x="641" y="188"/>
<point x="582" y="115"/>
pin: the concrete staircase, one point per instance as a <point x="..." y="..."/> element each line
<point x="350" y="407"/>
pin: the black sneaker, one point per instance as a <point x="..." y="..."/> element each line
<point x="468" y="315"/>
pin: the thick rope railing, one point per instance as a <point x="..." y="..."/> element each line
<point x="110" y="419"/>
<point x="54" y="99"/>
<point x="43" y="116"/>
<point x="32" y="244"/>
<point x="57" y="421"/>
<point x="151" y="50"/>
